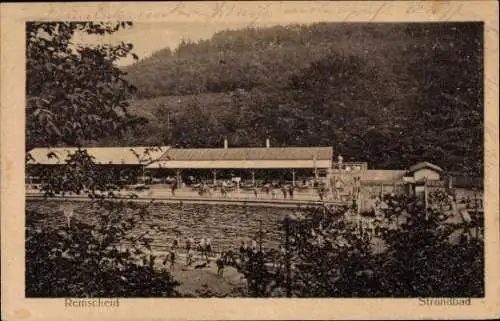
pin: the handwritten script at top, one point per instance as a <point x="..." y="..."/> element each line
<point x="223" y="10"/>
<point x="275" y="12"/>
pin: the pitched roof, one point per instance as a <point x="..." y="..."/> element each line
<point x="103" y="155"/>
<point x="245" y="154"/>
<point x="423" y="165"/>
<point x="383" y="175"/>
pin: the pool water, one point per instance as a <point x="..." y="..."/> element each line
<point x="225" y="225"/>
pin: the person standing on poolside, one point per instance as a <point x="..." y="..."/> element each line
<point x="254" y="246"/>
<point x="201" y="247"/>
<point x="173" y="188"/>
<point x="189" y="244"/>
<point x="189" y="257"/>
<point x="172" y="259"/>
<point x="267" y="190"/>
<point x="175" y="244"/>
<point x="220" y="265"/>
<point x="291" y="190"/>
<point x="243" y="251"/>
<point x="208" y="247"/>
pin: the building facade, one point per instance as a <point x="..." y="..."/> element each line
<point x="255" y="164"/>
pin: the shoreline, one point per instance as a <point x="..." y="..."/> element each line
<point x="193" y="200"/>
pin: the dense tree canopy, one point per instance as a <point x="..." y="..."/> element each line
<point x="387" y="94"/>
<point x="403" y="250"/>
<point x="75" y="92"/>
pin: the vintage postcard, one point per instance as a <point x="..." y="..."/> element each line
<point x="250" y="160"/>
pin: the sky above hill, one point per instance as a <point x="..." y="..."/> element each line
<point x="148" y="37"/>
<point x="194" y="21"/>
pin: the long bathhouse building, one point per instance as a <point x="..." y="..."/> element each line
<point x="307" y="168"/>
<point x="256" y="164"/>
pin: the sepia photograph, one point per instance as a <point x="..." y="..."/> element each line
<point x="298" y="160"/>
<point x="161" y="161"/>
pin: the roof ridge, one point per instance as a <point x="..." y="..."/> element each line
<point x="101" y="147"/>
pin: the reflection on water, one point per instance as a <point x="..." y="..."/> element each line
<point x="226" y="225"/>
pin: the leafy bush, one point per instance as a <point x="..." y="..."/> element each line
<point x="425" y="262"/>
<point x="75" y="92"/>
<point x="86" y="259"/>
<point x="406" y="253"/>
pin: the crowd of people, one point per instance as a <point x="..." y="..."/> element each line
<point x="259" y="190"/>
<point x="201" y="251"/>
<point x="201" y="254"/>
<point x="288" y="191"/>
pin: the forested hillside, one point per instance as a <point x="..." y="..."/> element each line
<point x="388" y="94"/>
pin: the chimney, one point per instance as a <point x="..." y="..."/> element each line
<point x="268" y="143"/>
<point x="225" y="143"/>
